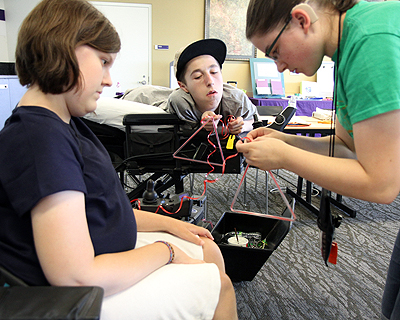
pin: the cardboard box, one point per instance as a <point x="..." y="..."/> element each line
<point x="243" y="263"/>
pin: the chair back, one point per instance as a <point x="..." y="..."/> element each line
<point x="269" y="110"/>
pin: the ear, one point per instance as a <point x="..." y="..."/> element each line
<point x="183" y="86"/>
<point x="305" y="15"/>
<point x="308" y="9"/>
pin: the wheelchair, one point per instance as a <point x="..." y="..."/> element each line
<point x="144" y="157"/>
<point x="141" y="157"/>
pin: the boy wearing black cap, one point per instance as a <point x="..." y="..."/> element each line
<point x="202" y="92"/>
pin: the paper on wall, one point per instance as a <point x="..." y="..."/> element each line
<point x="263" y="90"/>
<point x="276" y="86"/>
<point x="262" y="82"/>
<point x="267" y="70"/>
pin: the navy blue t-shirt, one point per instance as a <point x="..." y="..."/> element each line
<point x="41" y="155"/>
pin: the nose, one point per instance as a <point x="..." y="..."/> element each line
<point x="107" y="82"/>
<point x="281" y="65"/>
<point x="208" y="79"/>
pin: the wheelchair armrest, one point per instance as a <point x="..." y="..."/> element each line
<point x="7" y="278"/>
<point x="48" y="302"/>
<point x="151" y="119"/>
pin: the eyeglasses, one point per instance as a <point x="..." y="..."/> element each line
<point x="268" y="51"/>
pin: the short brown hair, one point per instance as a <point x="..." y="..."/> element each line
<point x="265" y="15"/>
<point x="45" y="53"/>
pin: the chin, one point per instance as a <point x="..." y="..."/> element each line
<point x="309" y="73"/>
<point x="215" y="105"/>
<point x="92" y="106"/>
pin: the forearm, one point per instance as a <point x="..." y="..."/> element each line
<point x="149" y="221"/>
<point x="373" y="175"/>
<point x="66" y="253"/>
<point x="118" y="271"/>
<point x="114" y="272"/>
<point x="341" y="175"/>
<point x="153" y="222"/>
<point x="320" y="145"/>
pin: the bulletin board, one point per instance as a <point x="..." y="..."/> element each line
<point x="266" y="80"/>
<point x="217" y="13"/>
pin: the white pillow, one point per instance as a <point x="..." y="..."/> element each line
<point x="111" y="111"/>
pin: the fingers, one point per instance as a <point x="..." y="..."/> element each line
<point x="197" y="240"/>
<point x="192" y="233"/>
<point x="210" y="126"/>
<point x="241" y="145"/>
<point x="236" y="129"/>
<point x="199" y="232"/>
<point x="259" y="132"/>
<point x="236" y="126"/>
<point x="208" y="114"/>
<point x="205" y="233"/>
<point x="189" y="235"/>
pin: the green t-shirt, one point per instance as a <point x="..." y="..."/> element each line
<point x="369" y="66"/>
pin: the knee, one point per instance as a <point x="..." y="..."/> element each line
<point x="211" y="246"/>
<point x="212" y="253"/>
<point x="226" y="283"/>
<point x="226" y="308"/>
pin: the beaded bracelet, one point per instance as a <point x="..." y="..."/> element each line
<point x="171" y="251"/>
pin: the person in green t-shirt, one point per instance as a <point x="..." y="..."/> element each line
<point x="363" y="39"/>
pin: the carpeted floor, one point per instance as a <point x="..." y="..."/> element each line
<point x="294" y="283"/>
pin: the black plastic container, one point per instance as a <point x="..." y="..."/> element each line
<point x="243" y="263"/>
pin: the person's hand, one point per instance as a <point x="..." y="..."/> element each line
<point x="264" y="149"/>
<point x="263" y="131"/>
<point x="188" y="231"/>
<point x="216" y="117"/>
<point x="236" y="126"/>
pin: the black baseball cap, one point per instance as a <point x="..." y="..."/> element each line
<point x="213" y="47"/>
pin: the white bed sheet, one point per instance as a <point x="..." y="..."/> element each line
<point x="111" y="112"/>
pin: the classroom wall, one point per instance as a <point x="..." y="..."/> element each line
<point x="15" y="12"/>
<point x="3" y="37"/>
<point x="175" y="23"/>
<point x="179" y="22"/>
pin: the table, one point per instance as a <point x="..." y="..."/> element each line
<point x="305" y="107"/>
<point x="316" y="126"/>
<point x="323" y="129"/>
<point x="270" y="102"/>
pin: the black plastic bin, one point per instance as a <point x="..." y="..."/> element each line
<point x="243" y="263"/>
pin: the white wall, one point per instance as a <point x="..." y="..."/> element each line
<point x="3" y="38"/>
<point x="16" y="11"/>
